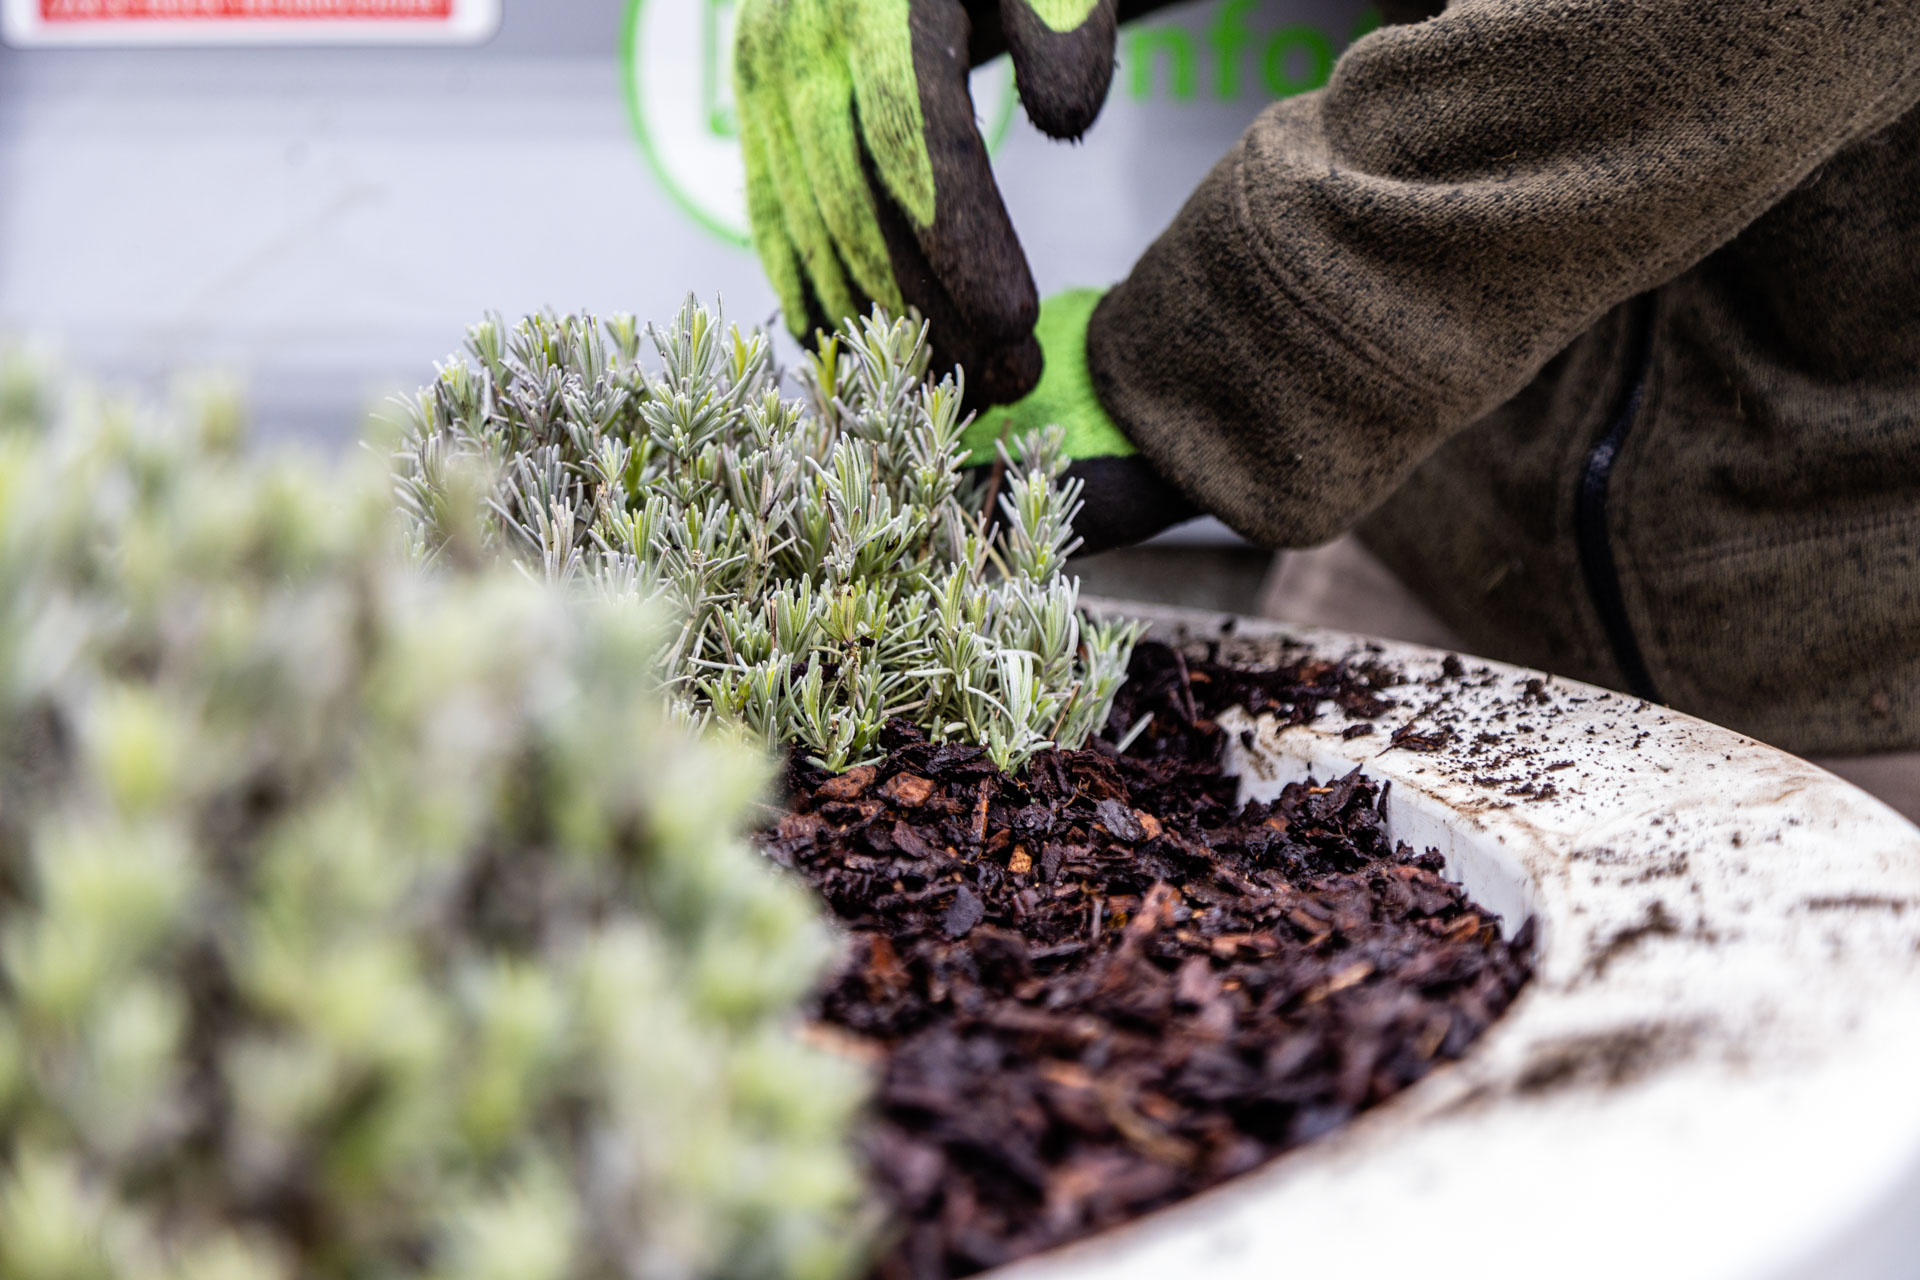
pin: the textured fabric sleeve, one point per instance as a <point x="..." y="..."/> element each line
<point x="1377" y="264"/>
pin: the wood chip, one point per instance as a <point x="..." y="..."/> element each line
<point x="841" y="1044"/>
<point x="799" y="826"/>
<point x="883" y="962"/>
<point x="1021" y="862"/>
<point x="967" y="911"/>
<point x="908" y="789"/>
<point x="1142" y="1134"/>
<point x="1195" y="983"/>
<point x="1227" y="945"/>
<point x="850" y="785"/>
<point x="1411" y="738"/>
<point x="1068" y="1075"/>
<point x="1119" y="821"/>
<point x="910" y="842"/>
<point x="1351" y="976"/>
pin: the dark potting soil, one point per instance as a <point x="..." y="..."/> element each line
<point x="1101" y="986"/>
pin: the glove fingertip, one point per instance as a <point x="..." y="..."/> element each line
<point x="1064" y="113"/>
<point x="1062" y="76"/>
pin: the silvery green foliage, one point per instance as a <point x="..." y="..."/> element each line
<point x="831" y="563"/>
<point x="359" y="921"/>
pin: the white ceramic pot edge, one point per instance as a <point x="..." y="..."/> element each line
<point x="1711" y="1075"/>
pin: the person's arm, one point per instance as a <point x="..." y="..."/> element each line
<point x="1376" y="265"/>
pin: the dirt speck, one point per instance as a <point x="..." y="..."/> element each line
<point x="1605" y="1059"/>
<point x="1860" y="902"/>
<point x="1658" y="922"/>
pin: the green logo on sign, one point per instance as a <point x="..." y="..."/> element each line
<point x="1286" y="59"/>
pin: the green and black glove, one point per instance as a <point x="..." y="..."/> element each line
<point x="867" y="178"/>
<point x="1125" y="500"/>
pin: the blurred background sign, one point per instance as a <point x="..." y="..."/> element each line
<point x="319" y="195"/>
<point x="39" y="23"/>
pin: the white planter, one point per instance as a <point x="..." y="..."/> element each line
<point x="1715" y="1073"/>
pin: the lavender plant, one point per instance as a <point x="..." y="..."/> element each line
<point x="358" y="921"/>
<point x="831" y="563"/>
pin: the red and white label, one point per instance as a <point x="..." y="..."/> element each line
<point x="30" y="23"/>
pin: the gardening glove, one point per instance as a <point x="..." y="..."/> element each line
<point x="867" y="178"/>
<point x="1125" y="500"/>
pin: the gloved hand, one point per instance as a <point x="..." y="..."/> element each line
<point x="868" y="181"/>
<point x="1125" y="500"/>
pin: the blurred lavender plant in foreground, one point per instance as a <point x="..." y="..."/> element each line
<point x="360" y="920"/>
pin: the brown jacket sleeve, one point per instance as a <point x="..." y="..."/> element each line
<point x="1376" y="265"/>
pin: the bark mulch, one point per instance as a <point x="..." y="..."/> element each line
<point x="1101" y="986"/>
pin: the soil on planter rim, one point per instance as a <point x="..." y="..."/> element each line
<point x="1101" y="986"/>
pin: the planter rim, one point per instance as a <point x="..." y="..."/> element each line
<point x="1710" y="1076"/>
